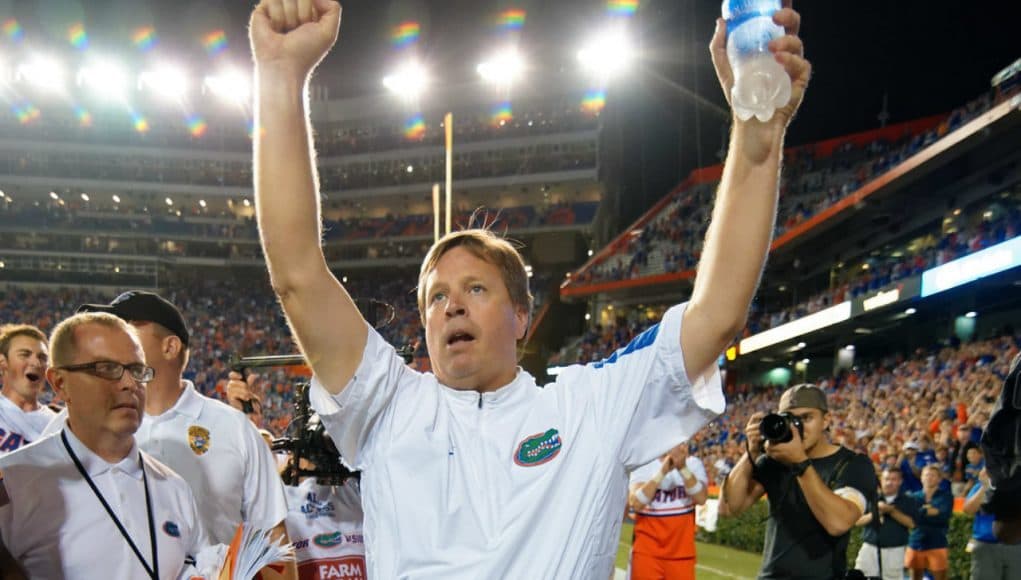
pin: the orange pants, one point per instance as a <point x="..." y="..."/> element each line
<point x="644" y="567"/>
<point x="936" y="560"/>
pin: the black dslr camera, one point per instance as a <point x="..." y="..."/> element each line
<point x="776" y="427"/>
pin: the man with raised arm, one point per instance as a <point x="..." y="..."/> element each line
<point x="472" y="471"/>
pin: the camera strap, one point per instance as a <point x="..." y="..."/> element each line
<point x="838" y="471"/>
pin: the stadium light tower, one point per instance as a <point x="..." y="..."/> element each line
<point x="43" y="72"/>
<point x="104" y="78"/>
<point x="408" y="80"/>
<point x="230" y="85"/>
<point x="165" y="82"/>
<point x="607" y="54"/>
<point x="502" y="68"/>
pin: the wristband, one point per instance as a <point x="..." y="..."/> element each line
<point x="686" y="473"/>
<point x="693" y="490"/>
<point x="641" y="497"/>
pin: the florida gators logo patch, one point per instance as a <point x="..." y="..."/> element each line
<point x="198" y="439"/>
<point x="538" y="449"/>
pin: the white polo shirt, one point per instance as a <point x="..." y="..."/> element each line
<point x="324" y="523"/>
<point x="671" y="497"/>
<point x="19" y="427"/>
<point x="523" y="482"/>
<point x="56" y="527"/>
<point x="218" y="451"/>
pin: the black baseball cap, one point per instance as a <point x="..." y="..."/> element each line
<point x="146" y="307"/>
<point x="804" y="395"/>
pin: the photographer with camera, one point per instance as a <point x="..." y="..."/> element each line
<point x="816" y="490"/>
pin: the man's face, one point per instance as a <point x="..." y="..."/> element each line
<point x="24" y="368"/>
<point x="814" y="422"/>
<point x="96" y="404"/>
<point x="931" y="478"/>
<point x="471" y="325"/>
<point x="152" y="341"/>
<point x="974" y="455"/>
<point x="891" y="482"/>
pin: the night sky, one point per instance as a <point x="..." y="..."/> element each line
<point x="925" y="57"/>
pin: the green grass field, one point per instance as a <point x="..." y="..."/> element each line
<point x="714" y="562"/>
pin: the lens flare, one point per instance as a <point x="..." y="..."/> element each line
<point x="594" y="101"/>
<point x="77" y="36"/>
<point x="25" y="112"/>
<point x="140" y="123"/>
<point x="196" y="125"/>
<point x="12" y="30"/>
<point x="414" y="128"/>
<point x="144" y="38"/>
<point x="215" y="42"/>
<point x="502" y="114"/>
<point x="622" y="7"/>
<point x="511" y="19"/>
<point x="405" y="34"/>
<point x="84" y="116"/>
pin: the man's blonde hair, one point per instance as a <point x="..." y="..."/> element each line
<point x="64" y="341"/>
<point x="9" y="332"/>
<point x="490" y="248"/>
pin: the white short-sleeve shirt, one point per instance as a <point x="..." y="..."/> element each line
<point x="671" y="497"/>
<point x="523" y="482"/>
<point x="19" y="427"/>
<point x="55" y="527"/>
<point x="221" y="455"/>
<point x="324" y="523"/>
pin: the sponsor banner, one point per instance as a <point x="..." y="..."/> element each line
<point x="346" y="568"/>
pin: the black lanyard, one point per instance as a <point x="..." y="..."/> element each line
<point x="154" y="571"/>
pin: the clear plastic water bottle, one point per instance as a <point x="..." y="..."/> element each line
<point x="761" y="84"/>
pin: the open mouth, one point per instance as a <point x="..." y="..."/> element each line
<point x="458" y="337"/>
<point x="33" y="376"/>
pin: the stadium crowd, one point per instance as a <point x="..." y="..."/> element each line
<point x="231" y="133"/>
<point x="74" y="226"/>
<point x="670" y="239"/>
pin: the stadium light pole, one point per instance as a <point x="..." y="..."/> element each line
<point x="607" y="54"/>
<point x="408" y="80"/>
<point x="229" y="85"/>
<point x="165" y="81"/>
<point x="503" y="68"/>
<point x="104" y="78"/>
<point x="43" y="72"/>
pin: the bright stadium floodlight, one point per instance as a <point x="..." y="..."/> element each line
<point x="231" y="86"/>
<point x="42" y="72"/>
<point x="607" y="54"/>
<point x="116" y="198"/>
<point x="409" y="80"/>
<point x="104" y="78"/>
<point x="165" y="82"/>
<point x="85" y="197"/>
<point x="502" y="68"/>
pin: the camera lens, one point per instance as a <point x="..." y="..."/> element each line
<point x="775" y="428"/>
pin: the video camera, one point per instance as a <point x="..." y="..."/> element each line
<point x="776" y="427"/>
<point x="306" y="437"/>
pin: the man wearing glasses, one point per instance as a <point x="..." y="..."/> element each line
<point x="87" y="503"/>
<point x="212" y="446"/>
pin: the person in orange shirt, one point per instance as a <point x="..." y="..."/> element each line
<point x="663" y="497"/>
